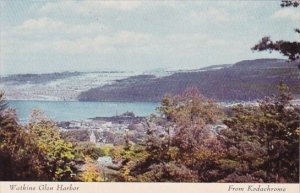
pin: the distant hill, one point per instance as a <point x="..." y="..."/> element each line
<point x="37" y="78"/>
<point x="58" y="86"/>
<point x="243" y="81"/>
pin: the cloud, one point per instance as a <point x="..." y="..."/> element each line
<point x="121" y="5"/>
<point x="89" y="7"/>
<point x="185" y="41"/>
<point x="292" y="14"/>
<point x="136" y="42"/>
<point x="103" y="43"/>
<point x="193" y="41"/>
<point x="34" y="27"/>
<point x="211" y="15"/>
<point x="132" y="37"/>
<point x="44" y="24"/>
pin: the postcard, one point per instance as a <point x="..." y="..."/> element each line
<point x="149" y="96"/>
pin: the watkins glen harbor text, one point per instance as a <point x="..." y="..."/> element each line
<point x="45" y="187"/>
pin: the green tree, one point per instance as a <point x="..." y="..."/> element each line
<point x="36" y="150"/>
<point x="60" y="159"/>
<point x="90" y="150"/>
<point x="91" y="172"/>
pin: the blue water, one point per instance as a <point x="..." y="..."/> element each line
<point x="67" y="111"/>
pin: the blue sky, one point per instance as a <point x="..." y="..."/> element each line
<point x="54" y="36"/>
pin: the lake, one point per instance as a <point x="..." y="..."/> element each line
<point x="75" y="110"/>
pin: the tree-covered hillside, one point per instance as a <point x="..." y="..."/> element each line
<point x="245" y="80"/>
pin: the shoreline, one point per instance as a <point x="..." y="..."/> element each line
<point x="222" y="103"/>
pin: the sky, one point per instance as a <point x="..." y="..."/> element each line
<point x="56" y="36"/>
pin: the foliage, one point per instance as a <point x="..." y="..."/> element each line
<point x="287" y="48"/>
<point x="288" y="3"/>
<point x="91" y="172"/>
<point x="18" y="157"/>
<point x="263" y="141"/>
<point x="3" y="103"/>
<point x="16" y="162"/>
<point x="260" y="144"/>
<point x="76" y="135"/>
<point x="90" y="150"/>
<point x="274" y="135"/>
<point x="129" y="157"/>
<point x="60" y="158"/>
<point x="178" y="145"/>
<point x="107" y="149"/>
<point x="35" y="151"/>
